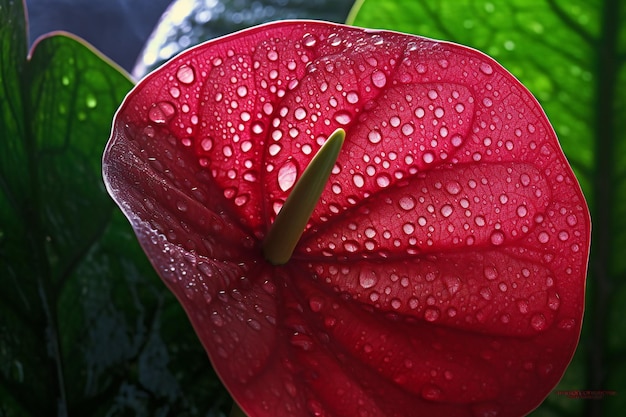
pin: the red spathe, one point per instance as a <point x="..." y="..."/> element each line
<point x="442" y="272"/>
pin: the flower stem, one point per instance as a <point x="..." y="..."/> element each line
<point x="292" y="219"/>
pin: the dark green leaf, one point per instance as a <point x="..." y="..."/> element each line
<point x="86" y="327"/>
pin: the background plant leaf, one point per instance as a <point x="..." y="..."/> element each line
<point x="86" y="327"/>
<point x="571" y="55"/>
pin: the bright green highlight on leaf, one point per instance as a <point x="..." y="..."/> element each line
<point x="286" y="230"/>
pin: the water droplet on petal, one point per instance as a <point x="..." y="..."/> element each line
<point x="343" y="117"/>
<point x="379" y="79"/>
<point x="407" y="203"/>
<point x="161" y="112"/>
<point x="543" y="237"/>
<point x="351" y="246"/>
<point x="352" y="97"/>
<point x="309" y="40"/>
<point x="358" y="180"/>
<point x="316" y="304"/>
<point x="383" y="180"/>
<point x="453" y="187"/>
<point x="497" y="238"/>
<point x="538" y="322"/>
<point x="374" y="136"/>
<point x="185" y="74"/>
<point x="299" y="113"/>
<point x="431" y="314"/>
<point x="572" y="220"/>
<point x="367" y="278"/>
<point x="486" y="68"/>
<point x="554" y="302"/>
<point x="490" y="272"/>
<point x="446" y="210"/>
<point x="287" y="175"/>
<point x="242" y="91"/>
<point x="428" y="157"/>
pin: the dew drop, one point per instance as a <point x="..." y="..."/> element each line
<point x="161" y="112"/>
<point x="407" y="129"/>
<point x="242" y="91"/>
<point x="543" y="237"/>
<point x="174" y="92"/>
<point x="490" y="272"/>
<point x="350" y="246"/>
<point x="374" y="136"/>
<point x="217" y="319"/>
<point x="431" y="314"/>
<point x="181" y="206"/>
<point x="299" y="113"/>
<point x="316" y="304"/>
<point x="379" y="79"/>
<point x="287" y="175"/>
<point x="343" y="117"/>
<point x="554" y="301"/>
<point x="383" y="180"/>
<point x="352" y="97"/>
<point x="367" y="278"/>
<point x="272" y="55"/>
<point x="522" y="211"/>
<point x="453" y="187"/>
<point x="358" y="180"/>
<point x="497" y="238"/>
<point x="538" y="322"/>
<point x="206" y="144"/>
<point x="428" y="157"/>
<point x="257" y="128"/>
<point x="407" y="203"/>
<point x="572" y="220"/>
<point x="185" y="74"/>
<point x="486" y="68"/>
<point x="446" y="210"/>
<point x="525" y="180"/>
<point x="309" y="40"/>
<point x="453" y="284"/>
<point x="408" y="228"/>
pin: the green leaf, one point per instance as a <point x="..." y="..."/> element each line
<point x="86" y="326"/>
<point x="571" y="55"/>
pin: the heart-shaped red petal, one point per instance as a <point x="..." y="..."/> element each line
<point x="442" y="272"/>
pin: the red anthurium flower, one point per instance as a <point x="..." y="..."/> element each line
<point x="442" y="271"/>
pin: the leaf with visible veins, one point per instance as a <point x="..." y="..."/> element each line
<point x="443" y="270"/>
